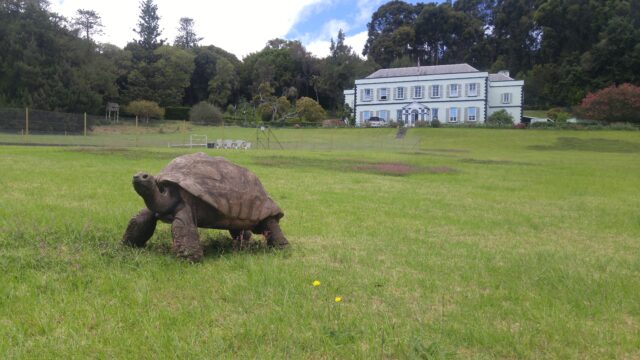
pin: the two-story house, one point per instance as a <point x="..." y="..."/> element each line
<point x="457" y="93"/>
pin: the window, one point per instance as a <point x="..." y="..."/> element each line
<point x="367" y="94"/>
<point x="454" y="91"/>
<point x="400" y="93"/>
<point x="383" y="94"/>
<point x="366" y="115"/>
<point x="434" y="114"/>
<point x="399" y="115"/>
<point x="472" y="114"/>
<point x="453" y="115"/>
<point x="472" y="89"/>
<point x="383" y="115"/>
<point x="435" y="91"/>
<point x="506" y="98"/>
<point x="417" y="92"/>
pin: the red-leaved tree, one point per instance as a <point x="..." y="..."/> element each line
<point x="612" y="104"/>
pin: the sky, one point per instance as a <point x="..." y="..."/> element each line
<point x="238" y="26"/>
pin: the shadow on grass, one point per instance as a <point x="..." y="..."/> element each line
<point x="216" y="245"/>
<point x="341" y="165"/>
<point x="595" y="145"/>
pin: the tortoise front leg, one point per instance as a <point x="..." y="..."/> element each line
<point x="273" y="234"/>
<point x="186" y="241"/>
<point x="140" y="228"/>
<point x="240" y="237"/>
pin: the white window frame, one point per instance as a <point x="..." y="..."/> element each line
<point x="398" y="95"/>
<point x="473" y="92"/>
<point x="368" y="97"/>
<point x="415" y="91"/>
<point x="386" y="115"/>
<point x="505" y="98"/>
<point x="451" y="111"/>
<point x="474" y="116"/>
<point x="365" y="113"/>
<point x="384" y="97"/>
<point x="434" y="89"/>
<point x="451" y="94"/>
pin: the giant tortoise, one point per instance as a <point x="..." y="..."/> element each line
<point x="198" y="190"/>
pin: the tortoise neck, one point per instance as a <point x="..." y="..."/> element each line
<point x="161" y="201"/>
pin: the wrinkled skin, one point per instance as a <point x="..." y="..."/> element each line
<point x="216" y="184"/>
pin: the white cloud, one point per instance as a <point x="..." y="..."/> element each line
<point x="320" y="48"/>
<point x="239" y="26"/>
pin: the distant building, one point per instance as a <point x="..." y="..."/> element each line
<point x="457" y="93"/>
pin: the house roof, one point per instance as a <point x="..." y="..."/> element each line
<point x="499" y="77"/>
<point x="423" y="70"/>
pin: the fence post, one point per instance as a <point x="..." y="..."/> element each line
<point x="26" y="127"/>
<point x="136" y="130"/>
<point x="85" y="124"/>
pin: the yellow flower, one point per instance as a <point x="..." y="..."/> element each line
<point x="316" y="283"/>
<point x="338" y="299"/>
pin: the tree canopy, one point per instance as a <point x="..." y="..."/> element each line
<point x="562" y="49"/>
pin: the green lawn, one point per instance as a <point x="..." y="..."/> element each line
<point x="495" y="244"/>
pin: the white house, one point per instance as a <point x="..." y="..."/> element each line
<point x="457" y="93"/>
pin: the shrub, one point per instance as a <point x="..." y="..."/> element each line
<point x="500" y="118"/>
<point x="145" y="109"/>
<point x="309" y="110"/>
<point x="435" y="123"/>
<point x="558" y="115"/>
<point x="541" y="125"/>
<point x="421" y="124"/>
<point x="205" y="113"/>
<point x="612" y="104"/>
<point x="176" y="112"/>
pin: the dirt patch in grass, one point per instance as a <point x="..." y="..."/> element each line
<point x="595" y="145"/>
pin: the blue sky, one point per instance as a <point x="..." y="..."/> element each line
<point x="239" y="26"/>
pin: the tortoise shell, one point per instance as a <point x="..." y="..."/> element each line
<point x="231" y="189"/>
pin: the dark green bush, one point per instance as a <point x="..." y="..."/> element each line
<point x="205" y="113"/>
<point x="435" y="123"/>
<point x="500" y="118"/>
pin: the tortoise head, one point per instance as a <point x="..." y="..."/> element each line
<point x="145" y="185"/>
<point x="157" y="198"/>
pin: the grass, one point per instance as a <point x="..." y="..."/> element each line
<point x="526" y="247"/>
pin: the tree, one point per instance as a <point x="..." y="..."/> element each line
<point x="145" y="109"/>
<point x="389" y="32"/>
<point x="612" y="104"/>
<point x="89" y="22"/>
<point x="187" y="38"/>
<point x="149" y="26"/>
<point x="223" y="84"/>
<point x="172" y="73"/>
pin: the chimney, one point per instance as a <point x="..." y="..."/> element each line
<point x="504" y="72"/>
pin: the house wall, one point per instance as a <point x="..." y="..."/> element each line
<point x="496" y="91"/>
<point x="442" y="102"/>
<point x="487" y="100"/>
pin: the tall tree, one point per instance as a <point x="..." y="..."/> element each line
<point x="390" y="32"/>
<point x="187" y="37"/>
<point x="88" y="22"/>
<point x="149" y="26"/>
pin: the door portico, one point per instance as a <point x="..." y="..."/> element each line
<point x="415" y="112"/>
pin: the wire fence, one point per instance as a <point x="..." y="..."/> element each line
<point x="47" y="128"/>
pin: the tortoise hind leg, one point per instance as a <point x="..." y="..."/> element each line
<point x="273" y="234"/>
<point x="140" y="228"/>
<point x="240" y="238"/>
<point x="186" y="241"/>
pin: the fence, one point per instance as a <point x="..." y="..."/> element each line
<point x="36" y="127"/>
